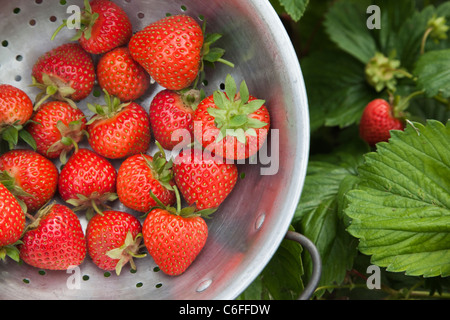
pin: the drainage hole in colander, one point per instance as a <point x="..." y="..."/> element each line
<point x="5" y="43"/>
<point x="16" y="10"/>
<point x="32" y="22"/>
<point x="53" y="19"/>
<point x="42" y="272"/>
<point x="19" y="57"/>
<point x="18" y="78"/>
<point x="38" y="1"/>
<point x="26" y="280"/>
<point x="63" y="2"/>
<point x="141" y="15"/>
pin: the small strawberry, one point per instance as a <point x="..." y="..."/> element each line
<point x="104" y="26"/>
<point x="173" y="51"/>
<point x="66" y="73"/>
<point x="232" y="125"/>
<point x="141" y="173"/>
<point x="31" y="177"/>
<point x="171" y="114"/>
<point x="54" y="240"/>
<point x="175" y="237"/>
<point x="87" y="181"/>
<point x="121" y="76"/>
<point x="203" y="179"/>
<point x="12" y="224"/>
<point x="57" y="128"/>
<point x="114" y="239"/>
<point x="377" y="121"/>
<point x="16" y="109"/>
<point x="118" y="129"/>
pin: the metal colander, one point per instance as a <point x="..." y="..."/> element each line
<point x="247" y="230"/>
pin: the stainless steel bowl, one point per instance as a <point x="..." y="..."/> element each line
<point x="250" y="225"/>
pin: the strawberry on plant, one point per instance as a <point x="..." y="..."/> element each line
<point x="114" y="239"/>
<point x="121" y="76"/>
<point x="16" y="109"/>
<point x="54" y="240"/>
<point x="232" y="124"/>
<point x="171" y="114"/>
<point x="118" y="130"/>
<point x="377" y="121"/>
<point x="203" y="179"/>
<point x="66" y="73"/>
<point x="87" y="181"/>
<point x="12" y="224"/>
<point x="140" y="174"/>
<point x="173" y="51"/>
<point x="57" y="128"/>
<point x="29" y="176"/>
<point x="174" y="237"/>
<point x="104" y="26"/>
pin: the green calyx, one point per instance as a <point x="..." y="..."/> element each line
<point x="437" y="29"/>
<point x="382" y="72"/>
<point x="70" y="134"/>
<point x="11" y="251"/>
<point x="185" y="212"/>
<point x="11" y="133"/>
<point x="87" y="20"/>
<point x="10" y="183"/>
<point x="52" y="87"/>
<point x="94" y="204"/>
<point x="210" y="54"/>
<point x="111" y="107"/>
<point x="126" y="252"/>
<point x="161" y="168"/>
<point x="232" y="115"/>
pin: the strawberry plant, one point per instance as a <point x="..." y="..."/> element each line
<point x="377" y="191"/>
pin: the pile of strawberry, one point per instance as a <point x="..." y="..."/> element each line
<point x="168" y="199"/>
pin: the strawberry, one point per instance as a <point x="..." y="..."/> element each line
<point x="171" y="114"/>
<point x="118" y="130"/>
<point x="104" y="26"/>
<point x="174" y="237"/>
<point x="121" y="76"/>
<point x="203" y="180"/>
<point x="173" y="51"/>
<point x="232" y="125"/>
<point x="12" y="224"/>
<point x="87" y="181"/>
<point x="141" y="173"/>
<point x="54" y="240"/>
<point x="31" y="177"/>
<point x="16" y="109"/>
<point x="113" y="240"/>
<point x="66" y="72"/>
<point x="57" y="128"/>
<point x="377" y="121"/>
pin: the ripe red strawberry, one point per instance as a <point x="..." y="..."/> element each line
<point x="16" y="108"/>
<point x="141" y="173"/>
<point x="57" y="128"/>
<point x="55" y="240"/>
<point x="171" y="114"/>
<point x="12" y="224"/>
<point x="175" y="237"/>
<point x="121" y="76"/>
<point x="66" y="72"/>
<point x="114" y="239"/>
<point x="31" y="177"/>
<point x="104" y="26"/>
<point x="119" y="130"/>
<point x="233" y="128"/>
<point x="203" y="180"/>
<point x="173" y="50"/>
<point x="87" y="181"/>
<point x="377" y="120"/>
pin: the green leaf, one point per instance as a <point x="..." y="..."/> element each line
<point x="401" y="209"/>
<point x="295" y="8"/>
<point x="346" y="25"/>
<point x="433" y="73"/>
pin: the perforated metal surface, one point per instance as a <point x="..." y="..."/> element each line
<point x="248" y="228"/>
